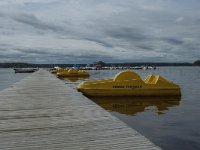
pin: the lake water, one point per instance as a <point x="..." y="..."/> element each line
<point x="8" y="78"/>
<point x="169" y="122"/>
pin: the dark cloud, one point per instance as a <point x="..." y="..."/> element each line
<point x="127" y="34"/>
<point x="101" y="42"/>
<point x="145" y="47"/>
<point x="84" y="30"/>
<point x="33" y="51"/>
<point x="31" y="20"/>
<point x="39" y="55"/>
<point x="174" y="41"/>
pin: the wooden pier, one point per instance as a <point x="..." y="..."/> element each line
<point x="41" y="113"/>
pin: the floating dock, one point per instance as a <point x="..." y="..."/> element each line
<point x="41" y="113"/>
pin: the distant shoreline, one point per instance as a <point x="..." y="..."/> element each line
<point x="29" y="65"/>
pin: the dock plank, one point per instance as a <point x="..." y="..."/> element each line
<point x="41" y="112"/>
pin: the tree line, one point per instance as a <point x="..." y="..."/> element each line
<point x="29" y="65"/>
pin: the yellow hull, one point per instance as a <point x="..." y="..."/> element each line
<point x="128" y="83"/>
<point x="57" y="71"/>
<point x="73" y="73"/>
<point x="130" y="92"/>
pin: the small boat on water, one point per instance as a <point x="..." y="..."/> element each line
<point x="128" y="83"/>
<point x="73" y="73"/>
<point x="25" y="70"/>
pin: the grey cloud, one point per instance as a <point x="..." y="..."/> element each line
<point x="101" y="42"/>
<point x="145" y="47"/>
<point x="88" y="58"/>
<point x="127" y="33"/>
<point x="174" y="41"/>
<point x="1" y="14"/>
<point x="11" y="56"/>
<point x="33" y="51"/>
<point x="4" y="45"/>
<point x="33" y="21"/>
<point x="112" y="27"/>
<point x="31" y="55"/>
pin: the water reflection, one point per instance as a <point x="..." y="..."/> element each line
<point x="133" y="105"/>
<point x="73" y="79"/>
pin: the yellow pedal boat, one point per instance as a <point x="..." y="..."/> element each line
<point x="73" y="73"/>
<point x="128" y="83"/>
<point x="55" y="71"/>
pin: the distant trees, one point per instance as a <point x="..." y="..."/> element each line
<point x="98" y="64"/>
<point x="101" y="63"/>
<point x="14" y="65"/>
<point x="196" y="63"/>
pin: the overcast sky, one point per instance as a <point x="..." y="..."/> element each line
<point x="85" y="31"/>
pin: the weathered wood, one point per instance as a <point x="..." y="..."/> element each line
<point x="41" y="112"/>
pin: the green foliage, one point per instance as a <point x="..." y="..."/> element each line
<point x="196" y="63"/>
<point x="101" y="63"/>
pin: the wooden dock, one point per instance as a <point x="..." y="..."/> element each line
<point x="41" y="113"/>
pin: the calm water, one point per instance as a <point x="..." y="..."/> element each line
<point x="169" y="122"/>
<point x="8" y="78"/>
